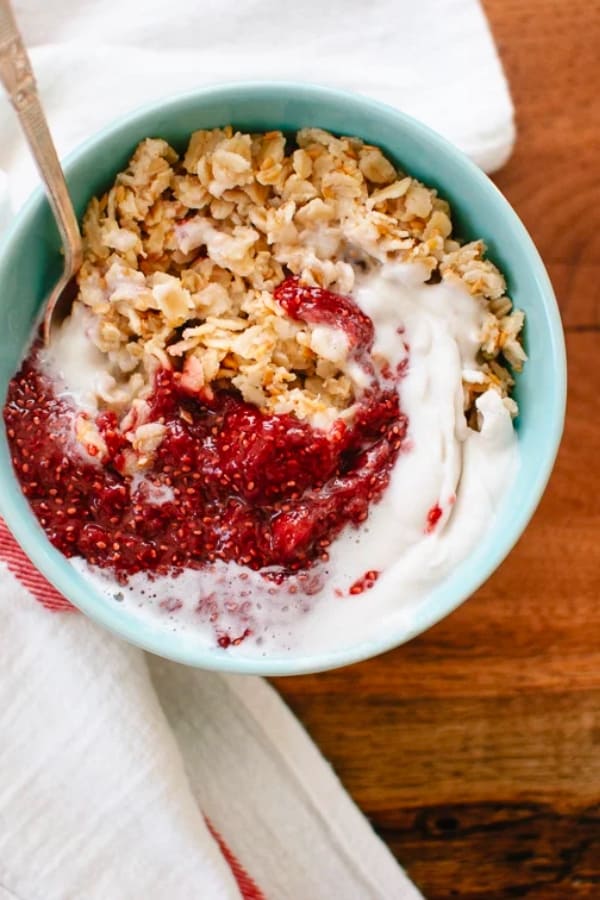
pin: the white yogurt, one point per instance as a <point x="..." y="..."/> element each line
<point x="433" y="330"/>
<point x="80" y="371"/>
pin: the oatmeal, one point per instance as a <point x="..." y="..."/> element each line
<point x="182" y="257"/>
<point x="281" y="369"/>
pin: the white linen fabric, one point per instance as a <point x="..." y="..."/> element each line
<point x="434" y="59"/>
<point x="124" y="776"/>
<point x="113" y="765"/>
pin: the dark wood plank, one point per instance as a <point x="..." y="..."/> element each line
<point x="475" y="749"/>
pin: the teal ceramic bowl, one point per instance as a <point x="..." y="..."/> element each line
<point x="30" y="263"/>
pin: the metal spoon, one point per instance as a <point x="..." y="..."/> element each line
<point x="16" y="75"/>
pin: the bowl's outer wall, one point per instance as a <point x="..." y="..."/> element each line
<point x="30" y="261"/>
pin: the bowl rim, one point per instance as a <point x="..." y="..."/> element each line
<point x="60" y="573"/>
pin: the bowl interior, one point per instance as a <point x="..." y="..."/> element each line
<point x="30" y="262"/>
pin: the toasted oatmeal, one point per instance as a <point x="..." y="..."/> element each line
<point x="183" y="253"/>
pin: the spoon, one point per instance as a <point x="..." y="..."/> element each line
<point x="17" y="77"/>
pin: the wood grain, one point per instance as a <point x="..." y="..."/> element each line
<point x="475" y="749"/>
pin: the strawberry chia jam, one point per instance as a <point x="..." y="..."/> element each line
<point x="228" y="481"/>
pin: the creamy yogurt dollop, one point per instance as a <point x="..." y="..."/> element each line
<point x="445" y="488"/>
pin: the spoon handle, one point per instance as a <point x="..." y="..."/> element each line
<point x="17" y="77"/>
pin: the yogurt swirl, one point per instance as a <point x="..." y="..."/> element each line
<point x="432" y="333"/>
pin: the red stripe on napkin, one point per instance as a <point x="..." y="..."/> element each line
<point x="248" y="887"/>
<point x="28" y="575"/>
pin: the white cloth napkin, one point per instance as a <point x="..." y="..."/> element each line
<point x="94" y="61"/>
<point x="124" y="776"/>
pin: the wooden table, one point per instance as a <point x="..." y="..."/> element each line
<point x="475" y="749"/>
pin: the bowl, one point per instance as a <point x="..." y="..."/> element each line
<point x="30" y="263"/>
